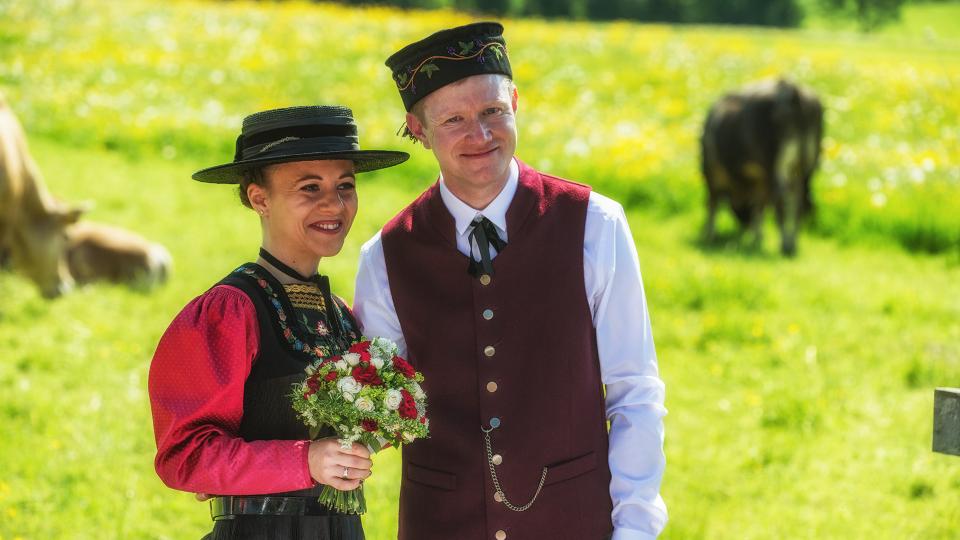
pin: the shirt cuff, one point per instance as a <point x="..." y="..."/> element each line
<point x="629" y="534"/>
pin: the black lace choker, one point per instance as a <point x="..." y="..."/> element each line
<point x="279" y="265"/>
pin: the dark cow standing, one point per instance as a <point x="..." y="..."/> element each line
<point x="760" y="146"/>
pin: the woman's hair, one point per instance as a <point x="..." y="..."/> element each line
<point x="251" y="176"/>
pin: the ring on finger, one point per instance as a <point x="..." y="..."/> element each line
<point x="346" y="473"/>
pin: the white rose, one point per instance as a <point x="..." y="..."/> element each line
<point x="349" y="385"/>
<point x="352" y="358"/>
<point x="348" y="396"/>
<point x="418" y="392"/>
<point x="341" y="364"/>
<point x="393" y="399"/>
<point x="377" y="362"/>
<point x="364" y="404"/>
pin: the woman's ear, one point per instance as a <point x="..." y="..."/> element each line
<point x="257" y="196"/>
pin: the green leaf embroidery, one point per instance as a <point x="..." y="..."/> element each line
<point x="498" y="52"/>
<point x="465" y="47"/>
<point x="402" y="79"/>
<point x="429" y="69"/>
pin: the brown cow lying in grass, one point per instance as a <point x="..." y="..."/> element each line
<point x="41" y="239"/>
<point x="96" y="252"/>
<point x="32" y="222"/>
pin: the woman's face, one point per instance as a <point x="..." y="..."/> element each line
<point x="307" y="206"/>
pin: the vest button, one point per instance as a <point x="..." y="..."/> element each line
<point x="491" y="387"/>
<point x="498" y="496"/>
<point x="497" y="459"/>
<point x="488" y="314"/>
<point x="485" y="279"/>
<point x="489" y="350"/>
<point x="500" y="535"/>
<point x="494" y="422"/>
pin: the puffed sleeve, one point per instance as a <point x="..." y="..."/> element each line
<point x="196" y="393"/>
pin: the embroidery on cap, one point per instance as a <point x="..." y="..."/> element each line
<point x="404" y="81"/>
<point x="274" y="143"/>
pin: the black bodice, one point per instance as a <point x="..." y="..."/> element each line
<point x="294" y="332"/>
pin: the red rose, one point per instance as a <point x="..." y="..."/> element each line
<point x="306" y="395"/>
<point x="332" y="376"/>
<point x="366" y="374"/>
<point x="369" y="425"/>
<point x="408" y="407"/>
<point x="403" y="367"/>
<point x="313" y="384"/>
<point x="359" y="346"/>
<point x="362" y="348"/>
<point x="330" y="360"/>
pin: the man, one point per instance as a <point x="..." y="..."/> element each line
<point x="519" y="297"/>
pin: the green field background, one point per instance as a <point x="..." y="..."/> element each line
<point x="799" y="390"/>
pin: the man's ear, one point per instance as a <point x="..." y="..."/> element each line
<point x="416" y="128"/>
<point x="514" y="98"/>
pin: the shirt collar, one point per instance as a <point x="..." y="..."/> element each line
<point x="496" y="211"/>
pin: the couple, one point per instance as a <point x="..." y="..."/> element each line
<point x="517" y="294"/>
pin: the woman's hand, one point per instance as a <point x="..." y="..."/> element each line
<point x="339" y="468"/>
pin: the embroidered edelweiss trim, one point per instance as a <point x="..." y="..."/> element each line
<point x="404" y="83"/>
<point x="318" y="350"/>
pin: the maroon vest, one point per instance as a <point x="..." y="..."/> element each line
<point x="539" y="348"/>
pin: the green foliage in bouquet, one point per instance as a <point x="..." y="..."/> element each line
<point x="367" y="395"/>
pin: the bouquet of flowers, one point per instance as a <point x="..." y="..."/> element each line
<point x="368" y="395"/>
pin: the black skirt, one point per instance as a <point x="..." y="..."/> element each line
<point x="337" y="527"/>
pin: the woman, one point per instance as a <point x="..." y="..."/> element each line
<point x="222" y="374"/>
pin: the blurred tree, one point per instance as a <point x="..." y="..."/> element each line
<point x="494" y="7"/>
<point x="870" y="14"/>
<point x="757" y="12"/>
<point x="646" y="10"/>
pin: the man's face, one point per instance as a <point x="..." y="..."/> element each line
<point x="470" y="126"/>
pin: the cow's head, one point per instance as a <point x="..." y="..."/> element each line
<point x="37" y="246"/>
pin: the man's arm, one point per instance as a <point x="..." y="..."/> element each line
<point x="372" y="301"/>
<point x="628" y="365"/>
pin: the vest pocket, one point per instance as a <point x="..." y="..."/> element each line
<point x="431" y="477"/>
<point x="571" y="468"/>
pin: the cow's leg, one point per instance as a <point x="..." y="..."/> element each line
<point x="789" y="194"/>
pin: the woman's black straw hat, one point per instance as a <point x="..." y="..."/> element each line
<point x="302" y="133"/>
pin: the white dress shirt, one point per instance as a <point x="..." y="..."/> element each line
<point x="628" y="362"/>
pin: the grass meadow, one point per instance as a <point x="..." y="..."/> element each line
<point x="799" y="390"/>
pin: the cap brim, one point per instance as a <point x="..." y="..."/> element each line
<point x="364" y="161"/>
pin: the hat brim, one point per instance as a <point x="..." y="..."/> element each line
<point x="364" y="161"/>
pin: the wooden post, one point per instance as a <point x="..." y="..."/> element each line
<point x="946" y="421"/>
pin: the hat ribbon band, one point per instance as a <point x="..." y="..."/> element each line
<point x="295" y="145"/>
